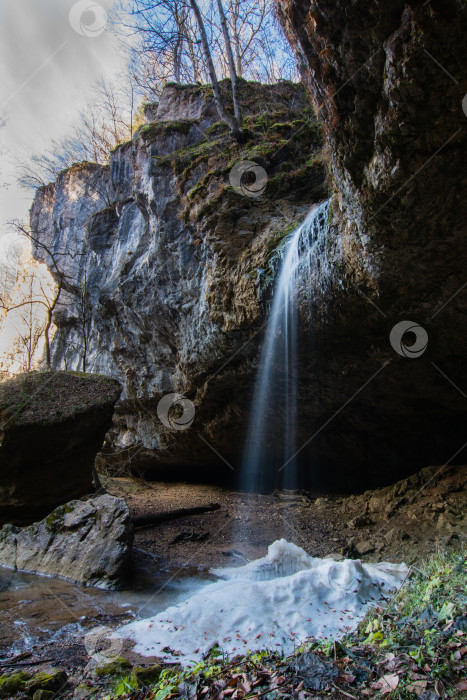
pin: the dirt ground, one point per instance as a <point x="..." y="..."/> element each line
<point x="403" y="522"/>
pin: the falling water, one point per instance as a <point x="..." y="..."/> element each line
<point x="269" y="460"/>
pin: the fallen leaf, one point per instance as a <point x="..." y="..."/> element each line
<point x="418" y="687"/>
<point x="345" y="678"/>
<point x="387" y="683"/>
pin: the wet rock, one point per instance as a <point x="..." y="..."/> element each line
<point x="52" y="679"/>
<point x="89" y="542"/>
<point x="383" y="120"/>
<point x="52" y="425"/>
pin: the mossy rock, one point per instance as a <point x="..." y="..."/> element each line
<point x="146" y="676"/>
<point x="55" y="519"/>
<point x="117" y="666"/>
<point x="43" y="695"/>
<point x="52" y="679"/>
<point x="84" y="690"/>
<point x="13" y="683"/>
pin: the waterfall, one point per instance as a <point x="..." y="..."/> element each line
<point x="269" y="459"/>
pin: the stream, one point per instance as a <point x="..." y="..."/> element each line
<point x="41" y="614"/>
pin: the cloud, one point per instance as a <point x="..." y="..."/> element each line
<point x="47" y="70"/>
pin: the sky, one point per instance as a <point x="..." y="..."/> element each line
<point x="52" y="52"/>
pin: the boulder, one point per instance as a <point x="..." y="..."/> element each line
<point x="51" y="680"/>
<point x="88" y="542"/>
<point x="364" y="547"/>
<point x="12" y="683"/>
<point x="52" y="424"/>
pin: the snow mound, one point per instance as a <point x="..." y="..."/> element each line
<point x="283" y="559"/>
<point x="276" y="602"/>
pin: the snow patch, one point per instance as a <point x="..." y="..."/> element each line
<point x="276" y="603"/>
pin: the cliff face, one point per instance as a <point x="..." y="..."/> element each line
<point x="168" y="268"/>
<point x="387" y="78"/>
<point x="176" y="263"/>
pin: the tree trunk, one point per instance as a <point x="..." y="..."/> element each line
<point x="232" y="71"/>
<point x="177" y="61"/>
<point x="47" y="339"/>
<point x="50" y="311"/>
<point x="229" y="120"/>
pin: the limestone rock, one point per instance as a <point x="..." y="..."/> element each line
<point x="179" y="265"/>
<point x="373" y="69"/>
<point x="89" y="542"/>
<point x="364" y="547"/>
<point x="396" y="534"/>
<point x="52" y="424"/>
<point x="359" y="521"/>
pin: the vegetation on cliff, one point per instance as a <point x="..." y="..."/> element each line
<point x="281" y="134"/>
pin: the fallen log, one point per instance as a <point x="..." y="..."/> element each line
<point x="140" y="521"/>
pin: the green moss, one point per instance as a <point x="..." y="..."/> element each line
<point x="284" y="141"/>
<point x="217" y="129"/>
<point x="113" y="668"/>
<point x="13" y="683"/>
<point x="43" y="695"/>
<point x="56" y="516"/>
<point x="151" y="132"/>
<point x="146" y="676"/>
<point x="53" y="679"/>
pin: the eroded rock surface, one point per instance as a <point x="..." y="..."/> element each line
<point x="89" y="542"/>
<point x="176" y="263"/>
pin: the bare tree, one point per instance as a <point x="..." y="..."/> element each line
<point x="103" y="124"/>
<point x="23" y="328"/>
<point x="48" y="299"/>
<point x="83" y="306"/>
<point x="232" y="69"/>
<point x="167" y="42"/>
<point x="233" y="123"/>
<point x="77" y="291"/>
<point x="168" y="45"/>
<point x="32" y="324"/>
